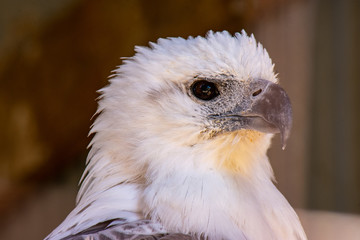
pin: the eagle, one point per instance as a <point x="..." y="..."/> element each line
<point x="179" y="147"/>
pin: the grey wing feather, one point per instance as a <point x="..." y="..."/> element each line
<point x="122" y="236"/>
<point x="119" y="229"/>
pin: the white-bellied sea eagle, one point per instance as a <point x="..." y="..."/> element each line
<point x="179" y="147"/>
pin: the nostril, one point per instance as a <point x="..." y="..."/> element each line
<point x="257" y="92"/>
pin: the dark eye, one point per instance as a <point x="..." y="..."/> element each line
<point x="204" y="90"/>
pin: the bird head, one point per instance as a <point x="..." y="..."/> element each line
<point x="210" y="96"/>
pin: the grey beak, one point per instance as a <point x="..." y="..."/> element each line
<point x="270" y="110"/>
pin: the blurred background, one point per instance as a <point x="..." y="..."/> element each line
<point x="54" y="55"/>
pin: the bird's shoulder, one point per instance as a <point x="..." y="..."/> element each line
<point x="121" y="229"/>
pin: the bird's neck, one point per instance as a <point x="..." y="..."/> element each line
<point x="220" y="188"/>
<point x="231" y="196"/>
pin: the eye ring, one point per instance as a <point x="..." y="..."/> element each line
<point x="204" y="90"/>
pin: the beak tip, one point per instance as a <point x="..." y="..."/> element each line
<point x="285" y="133"/>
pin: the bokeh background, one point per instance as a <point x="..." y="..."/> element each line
<point x="54" y="55"/>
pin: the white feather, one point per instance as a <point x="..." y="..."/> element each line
<point x="150" y="157"/>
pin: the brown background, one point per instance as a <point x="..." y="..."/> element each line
<point x="54" y="55"/>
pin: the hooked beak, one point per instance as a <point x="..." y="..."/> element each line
<point x="270" y="110"/>
<point x="266" y="108"/>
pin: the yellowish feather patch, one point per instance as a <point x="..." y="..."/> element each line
<point x="236" y="150"/>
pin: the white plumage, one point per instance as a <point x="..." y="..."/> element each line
<point x="156" y="154"/>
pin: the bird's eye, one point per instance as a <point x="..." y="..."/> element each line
<point x="204" y="90"/>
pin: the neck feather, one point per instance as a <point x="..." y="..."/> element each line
<point x="220" y="188"/>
